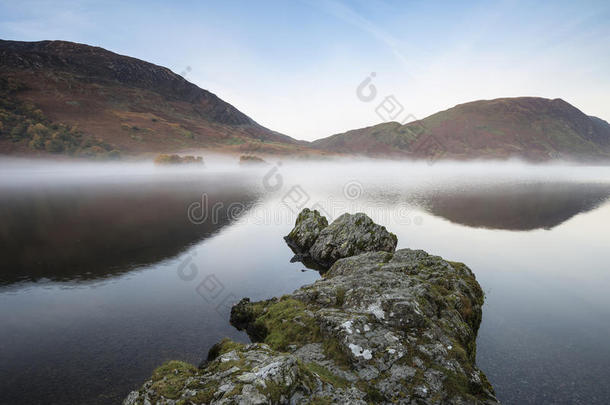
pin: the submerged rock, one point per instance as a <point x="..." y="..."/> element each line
<point x="313" y="239"/>
<point x="380" y="327"/>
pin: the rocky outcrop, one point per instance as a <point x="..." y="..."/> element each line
<point x="306" y="230"/>
<point x="379" y="327"/>
<point x="349" y="235"/>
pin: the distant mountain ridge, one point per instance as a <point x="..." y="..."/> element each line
<point x="116" y="101"/>
<point x="94" y="63"/>
<point x="67" y="98"/>
<point x="529" y="127"/>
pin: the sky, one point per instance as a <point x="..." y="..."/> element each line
<point x="310" y="69"/>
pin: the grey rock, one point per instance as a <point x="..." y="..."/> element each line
<point x="351" y="235"/>
<point x="404" y="323"/>
<point x="306" y="230"/>
<point x="379" y="327"/>
<point x="251" y="396"/>
<point x="319" y="245"/>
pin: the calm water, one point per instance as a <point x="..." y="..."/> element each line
<point x="104" y="277"/>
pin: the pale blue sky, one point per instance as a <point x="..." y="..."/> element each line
<point x="294" y="66"/>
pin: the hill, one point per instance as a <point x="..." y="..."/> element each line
<point x="528" y="127"/>
<point x="59" y="97"/>
<point x="64" y="97"/>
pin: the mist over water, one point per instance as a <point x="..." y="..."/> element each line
<point x="93" y="299"/>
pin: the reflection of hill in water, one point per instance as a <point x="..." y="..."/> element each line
<point x="517" y="207"/>
<point x="89" y="232"/>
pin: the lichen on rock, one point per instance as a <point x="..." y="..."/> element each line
<point x="379" y="327"/>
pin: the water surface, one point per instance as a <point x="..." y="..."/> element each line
<point x="104" y="276"/>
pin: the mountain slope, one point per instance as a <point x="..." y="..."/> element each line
<point x="86" y="97"/>
<point x="68" y="98"/>
<point x="529" y="127"/>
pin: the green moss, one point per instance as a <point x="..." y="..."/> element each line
<point x="326" y="376"/>
<point x="458" y="352"/>
<point x="287" y="323"/>
<point x="340" y="296"/>
<point x="226" y="345"/>
<point x="332" y="349"/>
<point x="373" y="395"/>
<point x="204" y="396"/>
<point x="417" y="380"/>
<point x="465" y="309"/>
<point x="241" y="364"/>
<point x="485" y="385"/>
<point x="169" y="379"/>
<point x="235" y="391"/>
<point x="321" y="401"/>
<point x="273" y="391"/>
<point x="457" y="385"/>
<point x="205" y="390"/>
<point x="441" y="289"/>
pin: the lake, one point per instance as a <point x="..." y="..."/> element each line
<point x="108" y="270"/>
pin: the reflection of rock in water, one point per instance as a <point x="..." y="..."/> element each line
<point x="89" y="232"/>
<point x="518" y="206"/>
